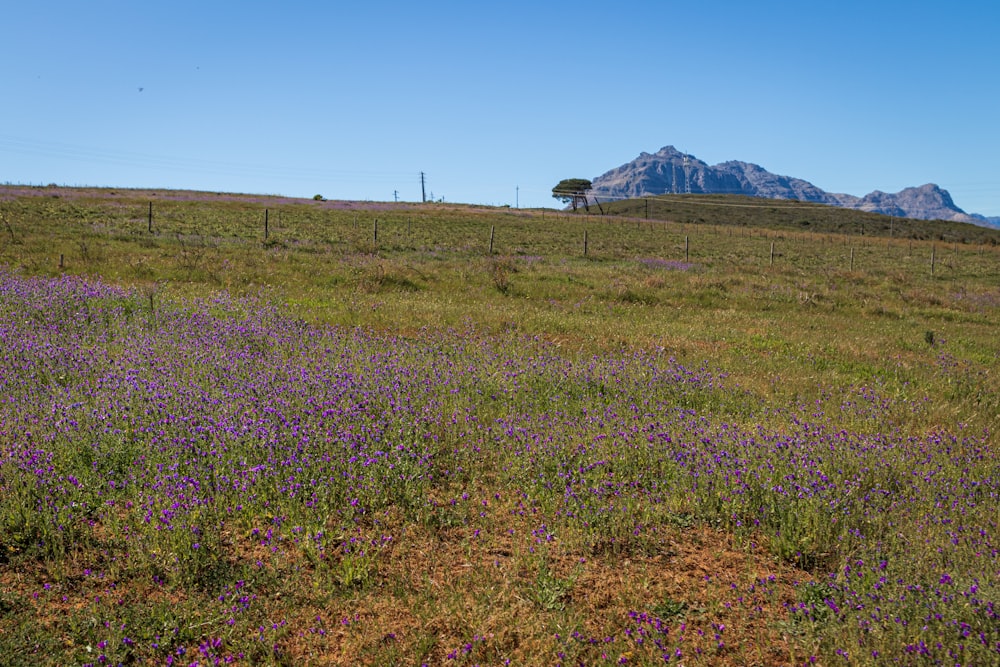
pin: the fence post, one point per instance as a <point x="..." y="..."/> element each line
<point x="584" y="242"/>
<point x="687" y="247"/>
<point x="149" y="227"/>
<point x="852" y="258"/>
<point x="492" y="229"/>
<point x="265" y="225"/>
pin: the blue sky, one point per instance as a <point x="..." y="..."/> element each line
<point x="496" y="103"/>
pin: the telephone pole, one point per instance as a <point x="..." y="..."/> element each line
<point x="395" y="195"/>
<point x="423" y="191"/>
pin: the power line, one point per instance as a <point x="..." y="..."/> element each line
<point x="90" y="154"/>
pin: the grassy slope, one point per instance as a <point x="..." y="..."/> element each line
<point x="775" y="308"/>
<point x="790" y="215"/>
<point x="794" y="326"/>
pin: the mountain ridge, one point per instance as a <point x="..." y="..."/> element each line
<point x="669" y="171"/>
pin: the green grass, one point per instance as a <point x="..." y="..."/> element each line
<point x="747" y="214"/>
<point x="513" y="548"/>
<point x="789" y="324"/>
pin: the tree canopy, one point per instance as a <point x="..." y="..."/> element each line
<point x="572" y="191"/>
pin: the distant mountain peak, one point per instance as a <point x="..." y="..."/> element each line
<point x="670" y="171"/>
<point x="670" y="150"/>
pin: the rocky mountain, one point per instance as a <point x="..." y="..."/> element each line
<point x="669" y="171"/>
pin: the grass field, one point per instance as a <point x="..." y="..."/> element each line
<point x="254" y="430"/>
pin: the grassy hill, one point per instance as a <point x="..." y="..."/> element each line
<point x="703" y="290"/>
<point x="259" y="430"/>
<point x="788" y="215"/>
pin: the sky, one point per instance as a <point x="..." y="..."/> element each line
<point x="494" y="103"/>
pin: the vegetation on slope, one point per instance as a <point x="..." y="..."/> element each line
<point x="336" y="441"/>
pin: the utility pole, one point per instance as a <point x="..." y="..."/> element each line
<point x="423" y="191"/>
<point x="517" y="196"/>
<point x="395" y="195"/>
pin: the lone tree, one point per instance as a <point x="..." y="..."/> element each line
<point x="572" y="191"/>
